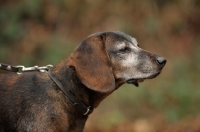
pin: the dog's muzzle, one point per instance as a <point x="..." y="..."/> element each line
<point x="160" y="61"/>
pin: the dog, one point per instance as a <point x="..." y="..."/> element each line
<point x="61" y="99"/>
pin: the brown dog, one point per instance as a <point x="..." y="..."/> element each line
<point x="62" y="100"/>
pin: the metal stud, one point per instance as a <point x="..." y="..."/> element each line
<point x="8" y="68"/>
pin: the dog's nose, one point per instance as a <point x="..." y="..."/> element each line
<point x="161" y="61"/>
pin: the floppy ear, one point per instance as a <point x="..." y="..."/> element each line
<point x="93" y="65"/>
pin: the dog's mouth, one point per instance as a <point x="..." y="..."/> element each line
<point x="136" y="82"/>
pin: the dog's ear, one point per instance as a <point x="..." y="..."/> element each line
<point x="92" y="64"/>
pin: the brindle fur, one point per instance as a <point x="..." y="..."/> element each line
<point x="32" y="102"/>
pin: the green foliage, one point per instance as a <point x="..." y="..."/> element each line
<point x="35" y="32"/>
<point x="12" y="19"/>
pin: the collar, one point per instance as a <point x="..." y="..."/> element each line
<point x="85" y="110"/>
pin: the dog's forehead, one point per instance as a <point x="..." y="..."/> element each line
<point x="127" y="37"/>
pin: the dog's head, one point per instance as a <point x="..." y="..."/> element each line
<point x="102" y="58"/>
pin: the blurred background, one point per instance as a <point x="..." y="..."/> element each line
<point x="41" y="32"/>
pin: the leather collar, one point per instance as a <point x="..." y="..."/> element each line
<point x="85" y="110"/>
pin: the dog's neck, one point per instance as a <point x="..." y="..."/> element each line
<point x="68" y="77"/>
<point x="70" y="81"/>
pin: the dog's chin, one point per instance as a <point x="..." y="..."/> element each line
<point x="136" y="81"/>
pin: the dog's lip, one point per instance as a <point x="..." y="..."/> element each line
<point x="136" y="81"/>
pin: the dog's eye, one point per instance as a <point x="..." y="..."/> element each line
<point x="125" y="49"/>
